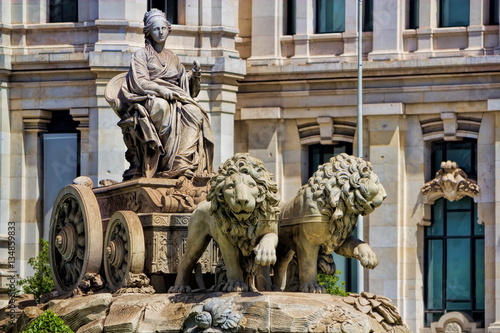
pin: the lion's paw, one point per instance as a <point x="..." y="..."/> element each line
<point x="179" y="289"/>
<point x="313" y="288"/>
<point x="366" y="256"/>
<point x="235" y="286"/>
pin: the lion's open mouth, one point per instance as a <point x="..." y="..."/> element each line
<point x="242" y="215"/>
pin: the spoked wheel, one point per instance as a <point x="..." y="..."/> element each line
<point x="75" y="237"/>
<point x="124" y="249"/>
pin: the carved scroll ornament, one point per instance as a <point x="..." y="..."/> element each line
<point x="450" y="182"/>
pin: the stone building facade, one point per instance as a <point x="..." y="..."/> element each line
<point x="280" y="82"/>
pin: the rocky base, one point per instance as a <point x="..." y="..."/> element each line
<point x="223" y="312"/>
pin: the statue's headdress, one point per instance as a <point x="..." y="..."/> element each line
<point x="151" y="16"/>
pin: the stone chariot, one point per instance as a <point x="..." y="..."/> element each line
<point x="123" y="235"/>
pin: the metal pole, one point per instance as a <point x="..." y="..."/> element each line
<point x="360" y="126"/>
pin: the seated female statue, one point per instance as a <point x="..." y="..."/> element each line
<point x="166" y="131"/>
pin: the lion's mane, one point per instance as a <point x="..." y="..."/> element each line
<point x="339" y="193"/>
<point x="266" y="211"/>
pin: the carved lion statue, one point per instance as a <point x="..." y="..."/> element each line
<point x="241" y="215"/>
<point x="321" y="217"/>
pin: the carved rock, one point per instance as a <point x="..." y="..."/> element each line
<point x="79" y="310"/>
<point x="221" y="312"/>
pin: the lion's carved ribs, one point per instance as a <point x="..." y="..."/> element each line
<point x="321" y="217"/>
<point x="240" y="214"/>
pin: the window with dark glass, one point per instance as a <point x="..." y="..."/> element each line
<point x="493" y="19"/>
<point x="320" y="154"/>
<point x="454" y="245"/>
<point x="167" y="6"/>
<point x="367" y="15"/>
<point x="61" y="160"/>
<point x="330" y="16"/>
<point x="454" y="13"/>
<point x="413" y="21"/>
<point x="289" y="17"/>
<point x="63" y="11"/>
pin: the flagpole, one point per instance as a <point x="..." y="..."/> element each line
<point x="360" y="268"/>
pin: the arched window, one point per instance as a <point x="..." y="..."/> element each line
<point x="454" y="244"/>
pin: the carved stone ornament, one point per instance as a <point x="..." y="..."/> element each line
<point x="450" y="182"/>
<point x="378" y="307"/>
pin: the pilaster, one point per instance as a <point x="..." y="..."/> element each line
<point x="351" y="29"/>
<point x="304" y="28"/>
<point x="384" y="227"/>
<point x="265" y="137"/>
<point x="427" y="21"/>
<point x="5" y="158"/>
<point x="266" y="19"/>
<point x="387" y="30"/>
<point x="30" y="183"/>
<point x="476" y="28"/>
<point x="495" y="326"/>
<point x="82" y="116"/>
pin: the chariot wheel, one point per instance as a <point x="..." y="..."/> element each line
<point x="124" y="249"/>
<point x="75" y="237"/>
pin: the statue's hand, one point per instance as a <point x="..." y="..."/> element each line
<point x="167" y="93"/>
<point x="364" y="253"/>
<point x="265" y="251"/>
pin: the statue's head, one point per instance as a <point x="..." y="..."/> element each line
<point x="152" y="18"/>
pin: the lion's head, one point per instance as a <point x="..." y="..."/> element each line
<point x="344" y="188"/>
<point x="242" y="194"/>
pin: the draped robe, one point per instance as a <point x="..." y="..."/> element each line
<point x="176" y="134"/>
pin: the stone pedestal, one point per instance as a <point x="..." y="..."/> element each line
<point x="228" y="312"/>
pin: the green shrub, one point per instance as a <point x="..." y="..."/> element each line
<point x="331" y="284"/>
<point x="40" y="283"/>
<point x="48" y="322"/>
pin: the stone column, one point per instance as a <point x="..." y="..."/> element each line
<point x="189" y="12"/>
<point x="486" y="207"/>
<point x="36" y="11"/>
<point x="220" y="95"/>
<point x="5" y="158"/>
<point x="26" y="183"/>
<point x="351" y="29"/>
<point x="266" y="27"/>
<point x="82" y="116"/>
<point x="384" y="226"/>
<point x="495" y="228"/>
<point x="476" y="28"/>
<point x="388" y="27"/>
<point x="304" y="28"/>
<point x="265" y="135"/>
<point x="106" y="148"/>
<point x="428" y="20"/>
<point x="120" y="25"/>
<point x="412" y="301"/>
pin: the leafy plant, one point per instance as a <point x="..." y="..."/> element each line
<point x="332" y="285"/>
<point x="48" y="322"/>
<point x="40" y="283"/>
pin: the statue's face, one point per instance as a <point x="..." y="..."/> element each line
<point x="241" y="193"/>
<point x="373" y="193"/>
<point x="159" y="31"/>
